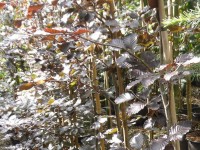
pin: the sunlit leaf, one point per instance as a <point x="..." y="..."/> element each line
<point x="102" y="119"/>
<point x="149" y="124"/>
<point x="159" y="144"/>
<point x="135" y="108"/>
<point x="96" y="125"/>
<point x="124" y="97"/>
<point x="51" y="101"/>
<point x="26" y="86"/>
<point x="194" y="60"/>
<point x="73" y="83"/>
<point x="111" y="131"/>
<point x="133" y="83"/>
<point x="40" y="110"/>
<point x="116" y="139"/>
<point x="184" y="57"/>
<point x="137" y="141"/>
<point x="168" y="76"/>
<point x="122" y="61"/>
<point x="177" y="131"/>
<point x="40" y="82"/>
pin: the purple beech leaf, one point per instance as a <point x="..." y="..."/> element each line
<point x="169" y="75"/>
<point x="159" y="144"/>
<point x="145" y="93"/>
<point x="96" y="125"/>
<point x="122" y="61"/>
<point x="133" y="15"/>
<point x="117" y="44"/>
<point x="149" y="124"/>
<point x="112" y="23"/>
<point x="96" y="35"/>
<point x="146" y="82"/>
<point x="130" y="41"/>
<point x="150" y="58"/>
<point x="100" y="136"/>
<point x="153" y="104"/>
<point x="124" y="98"/>
<point x="177" y="131"/>
<point x="133" y="24"/>
<point x="184" y="57"/>
<point x="133" y="83"/>
<point x="137" y="141"/>
<point x="194" y="60"/>
<point x="135" y="108"/>
<point x="187" y="59"/>
<point x="136" y="73"/>
<point x="116" y="139"/>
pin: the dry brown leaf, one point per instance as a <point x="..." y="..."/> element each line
<point x="50" y="30"/>
<point x="81" y="31"/>
<point x="33" y="9"/>
<point x="26" y="86"/>
<point x="18" y="23"/>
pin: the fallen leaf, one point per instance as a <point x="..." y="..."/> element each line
<point x="50" y="30"/>
<point x="49" y="38"/>
<point x="33" y="9"/>
<point x="26" y="86"/>
<point x="81" y="31"/>
<point x="18" y="23"/>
